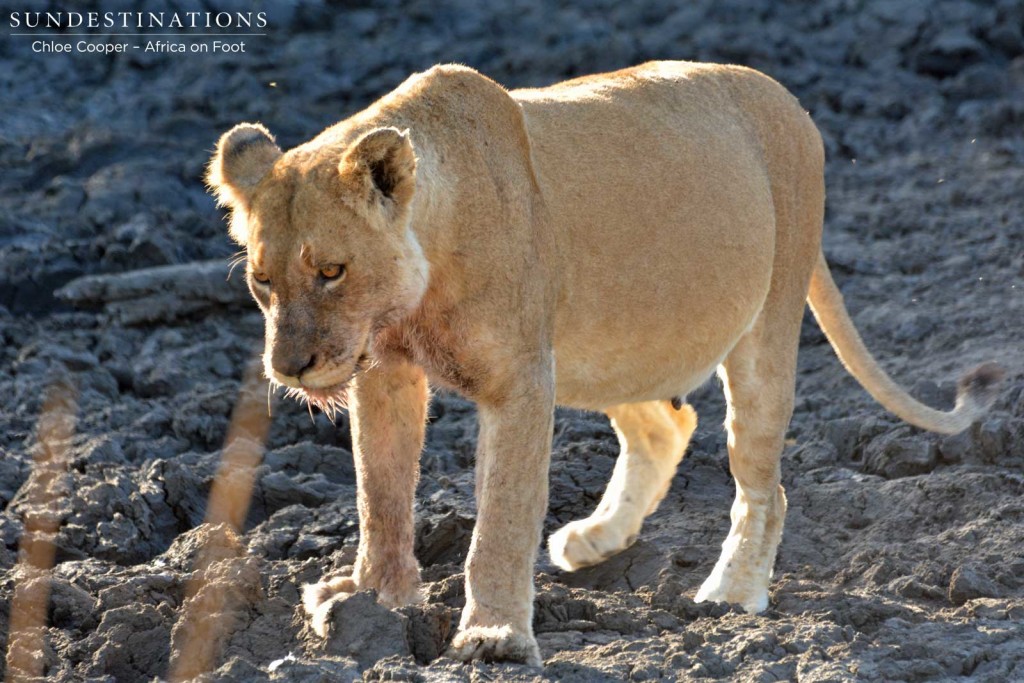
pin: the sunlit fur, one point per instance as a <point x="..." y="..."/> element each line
<point x="329" y="404"/>
<point x="305" y="212"/>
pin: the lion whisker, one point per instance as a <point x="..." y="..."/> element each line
<point x="237" y="258"/>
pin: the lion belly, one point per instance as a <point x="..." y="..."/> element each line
<point x="659" y="188"/>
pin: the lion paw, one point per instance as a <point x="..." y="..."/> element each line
<point x="317" y="598"/>
<point x="397" y="590"/>
<point x="717" y="589"/>
<point x="495" y="643"/>
<point x="585" y="543"/>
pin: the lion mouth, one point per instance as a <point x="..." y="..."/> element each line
<point x="331" y="398"/>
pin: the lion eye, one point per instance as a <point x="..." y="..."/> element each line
<point x="335" y="271"/>
<point x="261" y="278"/>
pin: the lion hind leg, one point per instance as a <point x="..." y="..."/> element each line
<point x="758" y="378"/>
<point x="653" y="437"/>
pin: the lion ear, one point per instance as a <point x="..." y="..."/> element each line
<point x="381" y="163"/>
<point x="243" y="156"/>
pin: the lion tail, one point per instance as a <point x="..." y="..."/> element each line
<point x="976" y="390"/>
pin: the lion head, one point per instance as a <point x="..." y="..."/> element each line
<point x="331" y="258"/>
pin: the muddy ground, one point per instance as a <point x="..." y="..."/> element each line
<point x="903" y="557"/>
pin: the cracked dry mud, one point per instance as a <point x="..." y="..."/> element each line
<point x="903" y="556"/>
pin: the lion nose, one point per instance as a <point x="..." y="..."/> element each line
<point x="295" y="365"/>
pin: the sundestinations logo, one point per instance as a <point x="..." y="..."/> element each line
<point x="113" y="32"/>
<point x="138" y="20"/>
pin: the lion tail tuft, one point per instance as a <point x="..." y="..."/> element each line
<point x="977" y="389"/>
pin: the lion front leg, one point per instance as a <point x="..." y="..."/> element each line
<point x="388" y="410"/>
<point x="512" y="494"/>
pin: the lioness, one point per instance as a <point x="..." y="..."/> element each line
<point x="606" y="243"/>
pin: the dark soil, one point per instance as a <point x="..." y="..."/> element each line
<point x="903" y="557"/>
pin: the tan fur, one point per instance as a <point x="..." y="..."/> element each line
<point x="605" y="243"/>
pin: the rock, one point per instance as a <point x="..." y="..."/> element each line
<point x="162" y="293"/>
<point x="956" y="447"/>
<point x="277" y="490"/>
<point x="141" y="243"/>
<point x="71" y="606"/>
<point x="307" y="458"/>
<point x="993" y="440"/>
<point x="220" y="596"/>
<point x="914" y="328"/>
<point x="430" y="629"/>
<point x="323" y="670"/>
<point x="912" y="587"/>
<point x="844" y="434"/>
<point x="872" y="427"/>
<point x="361" y="628"/>
<point x="130" y="640"/>
<point x="933" y="394"/>
<point x="443" y="538"/>
<point x="405" y="669"/>
<point x="896" y="455"/>
<point x="948" y="53"/>
<point x="13" y="472"/>
<point x="967" y="583"/>
<point x="1007" y="37"/>
<point x="815" y="455"/>
<point x="977" y="82"/>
